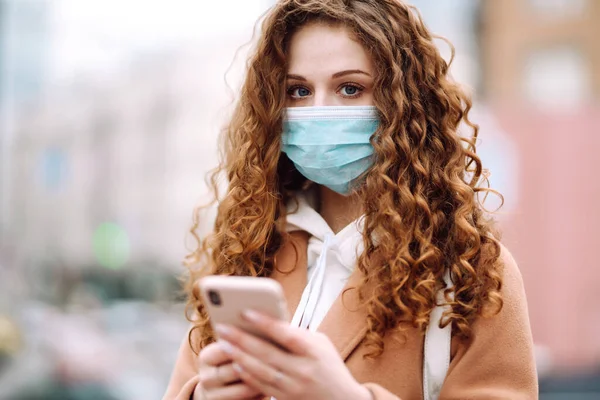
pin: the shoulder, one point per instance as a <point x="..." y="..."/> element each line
<point x="512" y="280"/>
<point x="497" y="360"/>
<point x="512" y="318"/>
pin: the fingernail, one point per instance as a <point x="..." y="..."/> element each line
<point x="223" y="330"/>
<point x="252" y="315"/>
<point x="226" y="346"/>
<point x="237" y="368"/>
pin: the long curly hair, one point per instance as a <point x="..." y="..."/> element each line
<point x="423" y="217"/>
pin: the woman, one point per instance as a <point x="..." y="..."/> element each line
<point x="349" y="184"/>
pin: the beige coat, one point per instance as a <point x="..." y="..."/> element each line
<point x="497" y="363"/>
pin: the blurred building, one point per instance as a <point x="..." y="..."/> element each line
<point x="126" y="155"/>
<point x="108" y="161"/>
<point x="23" y="50"/>
<point x="540" y="68"/>
<point x="545" y="52"/>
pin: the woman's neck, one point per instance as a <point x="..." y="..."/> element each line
<point x="337" y="210"/>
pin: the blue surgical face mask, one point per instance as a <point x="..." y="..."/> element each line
<point x="330" y="145"/>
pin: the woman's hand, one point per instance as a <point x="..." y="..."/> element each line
<point x="218" y="379"/>
<point x="306" y="365"/>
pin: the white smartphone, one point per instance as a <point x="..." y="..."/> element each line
<point x="226" y="297"/>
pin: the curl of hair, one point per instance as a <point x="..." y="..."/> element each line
<point x="420" y="197"/>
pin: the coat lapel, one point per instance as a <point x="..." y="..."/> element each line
<point x="346" y="321"/>
<point x="291" y="270"/>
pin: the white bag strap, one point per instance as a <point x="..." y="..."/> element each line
<point x="436" y="352"/>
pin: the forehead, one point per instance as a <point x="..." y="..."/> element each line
<point x="326" y="48"/>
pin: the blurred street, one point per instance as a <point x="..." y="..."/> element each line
<point x="121" y="351"/>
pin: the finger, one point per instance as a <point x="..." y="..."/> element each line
<point x="232" y="392"/>
<point x="214" y="377"/>
<point x="280" y="332"/>
<point x="255" y="346"/>
<point x="262" y="377"/>
<point x="213" y="355"/>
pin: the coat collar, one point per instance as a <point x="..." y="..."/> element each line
<point x="346" y="322"/>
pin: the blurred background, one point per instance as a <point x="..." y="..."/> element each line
<point x="109" y="116"/>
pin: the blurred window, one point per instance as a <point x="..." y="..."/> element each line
<point x="559" y="8"/>
<point x="53" y="168"/>
<point x="557" y="77"/>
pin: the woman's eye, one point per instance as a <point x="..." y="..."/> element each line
<point x="350" y="90"/>
<point x="298" y="92"/>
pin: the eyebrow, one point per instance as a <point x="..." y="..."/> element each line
<point x="336" y="75"/>
<point x="349" y="72"/>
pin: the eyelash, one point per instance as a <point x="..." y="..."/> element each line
<point x="357" y="86"/>
<point x="291" y="90"/>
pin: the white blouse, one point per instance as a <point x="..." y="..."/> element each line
<point x="331" y="260"/>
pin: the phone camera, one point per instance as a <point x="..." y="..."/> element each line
<point x="214" y="297"/>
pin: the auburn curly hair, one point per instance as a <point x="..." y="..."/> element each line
<point x="420" y="197"/>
